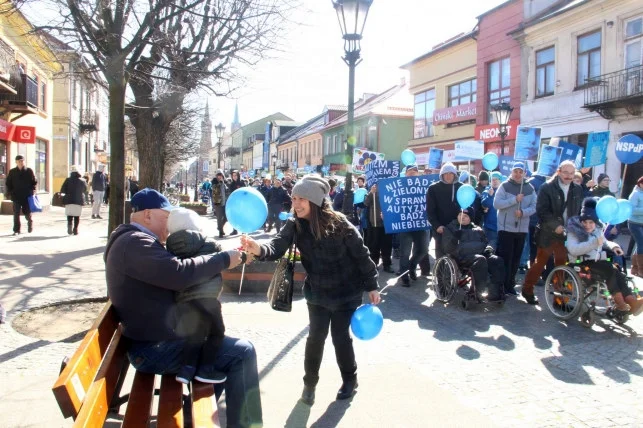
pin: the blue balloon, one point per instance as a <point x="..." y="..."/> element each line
<point x="624" y="211"/>
<point x="359" y="195"/>
<point x="402" y="173"/>
<point x="607" y="209"/>
<point x="490" y="161"/>
<point x="408" y="157"/>
<point x="367" y="322"/>
<point x="466" y="195"/>
<point x="464" y="177"/>
<point x="246" y="209"/>
<point x="284" y="215"/>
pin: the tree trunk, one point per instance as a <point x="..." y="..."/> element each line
<point x="117" y="85"/>
<point x="150" y="133"/>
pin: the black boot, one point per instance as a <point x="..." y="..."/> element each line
<point x="69" y="220"/>
<point x="347" y="390"/>
<point x="308" y="395"/>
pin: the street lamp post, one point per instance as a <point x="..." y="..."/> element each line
<point x="503" y="112"/>
<point x="352" y="18"/>
<point x="274" y="164"/>
<point x="220" y="129"/>
<point x="196" y="180"/>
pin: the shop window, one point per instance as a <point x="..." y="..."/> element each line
<point x="41" y="165"/>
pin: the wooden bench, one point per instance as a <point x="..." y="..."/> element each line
<point x="90" y="384"/>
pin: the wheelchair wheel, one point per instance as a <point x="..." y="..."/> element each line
<point x="445" y="279"/>
<point x="587" y="319"/>
<point x="564" y="293"/>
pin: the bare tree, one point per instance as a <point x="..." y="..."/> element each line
<point x="199" y="48"/>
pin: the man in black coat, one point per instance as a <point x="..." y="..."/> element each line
<point x="21" y="183"/>
<point x="558" y="199"/>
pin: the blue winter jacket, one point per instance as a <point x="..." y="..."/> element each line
<point x="636" y="198"/>
<point x="491" y="216"/>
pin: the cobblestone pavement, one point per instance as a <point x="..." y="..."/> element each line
<point x="432" y="365"/>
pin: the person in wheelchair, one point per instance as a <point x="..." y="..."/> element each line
<point x="585" y="241"/>
<point x="468" y="245"/>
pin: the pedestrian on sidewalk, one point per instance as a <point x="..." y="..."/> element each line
<point x="99" y="184"/>
<point x="326" y="241"/>
<point x="21" y="183"/>
<point x="143" y="280"/>
<point x="73" y="189"/>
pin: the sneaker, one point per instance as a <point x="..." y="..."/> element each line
<point x="185" y="374"/>
<point x="93" y="216"/>
<point x="530" y="298"/>
<point x="212" y="377"/>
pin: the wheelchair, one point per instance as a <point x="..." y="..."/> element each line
<point x="448" y="277"/>
<point x="573" y="291"/>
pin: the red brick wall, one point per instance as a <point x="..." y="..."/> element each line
<point x="495" y="44"/>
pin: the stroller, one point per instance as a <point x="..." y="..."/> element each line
<point x="205" y="196"/>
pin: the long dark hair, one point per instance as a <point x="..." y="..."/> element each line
<point x="324" y="221"/>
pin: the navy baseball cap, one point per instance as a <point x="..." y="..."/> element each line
<point x="150" y="199"/>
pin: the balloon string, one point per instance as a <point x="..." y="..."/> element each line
<point x="243" y="272"/>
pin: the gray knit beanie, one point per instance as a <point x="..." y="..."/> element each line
<point x="312" y="188"/>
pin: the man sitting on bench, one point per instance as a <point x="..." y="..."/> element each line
<point x="142" y="281"/>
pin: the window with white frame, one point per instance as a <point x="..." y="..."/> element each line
<point x="463" y="93"/>
<point x="589" y="57"/>
<point x="499" y="75"/>
<point x="634" y="42"/>
<point x="423" y="116"/>
<point x="545" y="71"/>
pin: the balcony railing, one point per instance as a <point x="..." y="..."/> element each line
<point x="8" y="65"/>
<point x="27" y="95"/>
<point x="623" y="88"/>
<point x="88" y="120"/>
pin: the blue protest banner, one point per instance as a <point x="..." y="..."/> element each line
<point x="596" y="149"/>
<point x="527" y="143"/>
<point x="629" y="149"/>
<point x="549" y="160"/>
<point x="379" y="169"/>
<point x="403" y="202"/>
<point x="571" y="152"/>
<point x="435" y="158"/>
<point x="505" y="163"/>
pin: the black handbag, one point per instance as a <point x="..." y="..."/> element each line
<point x="281" y="286"/>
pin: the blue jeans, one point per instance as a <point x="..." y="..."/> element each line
<point x="235" y="357"/>
<point x="492" y="237"/>
<point x="419" y="240"/>
<point x="637" y="233"/>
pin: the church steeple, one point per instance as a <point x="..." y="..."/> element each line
<point x="235" y="123"/>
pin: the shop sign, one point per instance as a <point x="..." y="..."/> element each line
<point x="24" y="134"/>
<point x="491" y="133"/>
<point x="455" y="114"/>
<point x="6" y="129"/>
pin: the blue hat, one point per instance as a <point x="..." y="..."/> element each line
<point x="411" y="166"/>
<point x="150" y="199"/>
<point x="518" y="165"/>
<point x="496" y="174"/>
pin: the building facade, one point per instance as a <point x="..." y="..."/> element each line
<point x="27" y="67"/>
<point x="585" y="74"/>
<point x="382" y="123"/>
<point x="443" y="83"/>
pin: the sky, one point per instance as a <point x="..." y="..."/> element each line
<point x="310" y="72"/>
